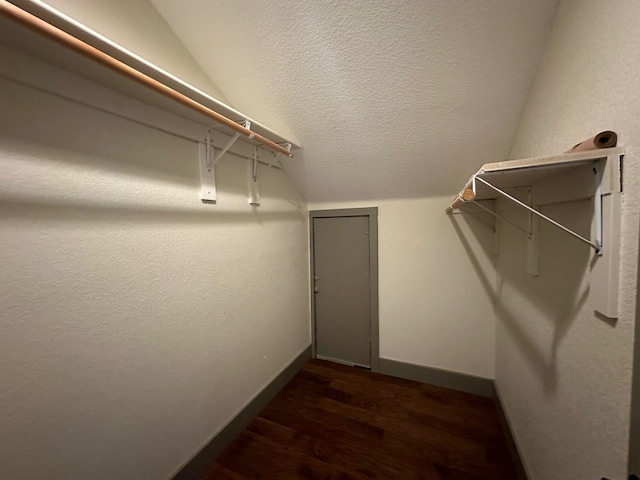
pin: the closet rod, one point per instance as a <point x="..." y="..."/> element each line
<point x="34" y="23"/>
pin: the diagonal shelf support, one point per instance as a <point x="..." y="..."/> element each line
<point x="216" y="158"/>
<point x="597" y="245"/>
<point x="225" y="149"/>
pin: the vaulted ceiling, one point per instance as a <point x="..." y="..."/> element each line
<point x="388" y="99"/>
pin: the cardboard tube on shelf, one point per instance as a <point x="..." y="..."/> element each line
<point x="465" y="195"/>
<point x="606" y="139"/>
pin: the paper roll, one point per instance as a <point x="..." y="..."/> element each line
<point x="606" y="139"/>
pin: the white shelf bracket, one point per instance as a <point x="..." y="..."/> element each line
<point x="287" y="146"/>
<point x="604" y="276"/>
<point x="533" y="244"/>
<point x="207" y="161"/>
<point x="596" y="225"/>
<point x="533" y="247"/>
<point x="225" y="149"/>
<point x="246" y="124"/>
<point x="254" y="184"/>
<point x="207" y="171"/>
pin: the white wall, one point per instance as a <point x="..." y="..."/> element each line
<point x="436" y="280"/>
<point x="135" y="320"/>
<point x="634" y="444"/>
<point x="563" y="371"/>
<point x="137" y="26"/>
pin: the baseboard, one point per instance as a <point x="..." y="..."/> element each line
<point x="203" y="459"/>
<point x="521" y="469"/>
<point x="441" y="378"/>
<point x="465" y="383"/>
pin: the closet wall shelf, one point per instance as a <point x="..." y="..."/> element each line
<point x="525" y="172"/>
<point x="560" y="178"/>
<point x="62" y="41"/>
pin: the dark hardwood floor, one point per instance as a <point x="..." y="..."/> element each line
<point x="337" y="422"/>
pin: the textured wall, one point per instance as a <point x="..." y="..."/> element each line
<point x="136" y="25"/>
<point x="134" y="320"/>
<point x="563" y="371"/>
<point x="390" y="99"/>
<point x="436" y="279"/>
<point x="634" y="443"/>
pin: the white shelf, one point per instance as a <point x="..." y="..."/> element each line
<point x="529" y="171"/>
<point x="552" y="179"/>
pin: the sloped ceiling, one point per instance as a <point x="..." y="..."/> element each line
<point x="388" y="99"/>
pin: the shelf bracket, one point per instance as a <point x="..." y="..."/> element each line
<point x="216" y="158"/>
<point x="254" y="184"/>
<point x="207" y="172"/>
<point x="533" y="246"/>
<point x="604" y="276"/>
<point x="207" y="160"/>
<point x="286" y="146"/>
<point x="596" y="225"/>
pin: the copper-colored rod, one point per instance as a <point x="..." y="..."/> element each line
<point x="64" y="38"/>
<point x="464" y="196"/>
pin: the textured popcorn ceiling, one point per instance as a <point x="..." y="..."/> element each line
<point x="388" y="99"/>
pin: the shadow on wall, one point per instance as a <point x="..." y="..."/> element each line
<point x="486" y="283"/>
<point x="66" y="160"/>
<point x="30" y="209"/>
<point x="70" y="132"/>
<point x="76" y="134"/>
<point x="557" y="295"/>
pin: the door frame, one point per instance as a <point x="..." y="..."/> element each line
<point x="372" y="213"/>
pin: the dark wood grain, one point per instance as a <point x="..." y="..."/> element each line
<point x="336" y="422"/>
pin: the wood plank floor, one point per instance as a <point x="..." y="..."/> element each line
<point x="337" y="422"/>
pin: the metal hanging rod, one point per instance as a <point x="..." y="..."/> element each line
<point x="60" y="36"/>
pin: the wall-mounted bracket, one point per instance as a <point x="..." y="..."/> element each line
<point x="254" y="184"/>
<point x="216" y="158"/>
<point x="533" y="246"/>
<point x="246" y="124"/>
<point x="286" y="146"/>
<point x="225" y="149"/>
<point x="208" y="159"/>
<point x="207" y="172"/>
